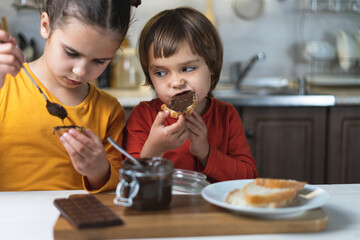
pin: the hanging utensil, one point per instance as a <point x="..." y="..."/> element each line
<point x="53" y="108"/>
<point x="4" y="24"/>
<point x="248" y="9"/>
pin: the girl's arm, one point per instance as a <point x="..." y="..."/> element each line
<point x="11" y="57"/>
<point x="88" y="156"/>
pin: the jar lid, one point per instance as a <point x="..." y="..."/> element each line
<point x="187" y="181"/>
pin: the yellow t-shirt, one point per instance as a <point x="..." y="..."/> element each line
<point x="31" y="156"/>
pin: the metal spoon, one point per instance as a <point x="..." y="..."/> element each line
<point x="53" y="108"/>
<point x="136" y="162"/>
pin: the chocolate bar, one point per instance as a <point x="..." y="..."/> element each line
<point x="85" y="211"/>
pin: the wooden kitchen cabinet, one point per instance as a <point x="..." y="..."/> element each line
<point x="344" y="145"/>
<point x="287" y="142"/>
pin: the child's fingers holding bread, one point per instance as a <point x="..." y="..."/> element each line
<point x="160" y="118"/>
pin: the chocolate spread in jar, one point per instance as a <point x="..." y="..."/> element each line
<point x="155" y="183"/>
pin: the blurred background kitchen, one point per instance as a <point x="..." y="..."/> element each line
<point x="279" y="28"/>
<point x="296" y="65"/>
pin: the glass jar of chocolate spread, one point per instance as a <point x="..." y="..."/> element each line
<point x="147" y="187"/>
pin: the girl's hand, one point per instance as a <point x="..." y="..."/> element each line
<point x="11" y="57"/>
<point x="164" y="138"/>
<point x="87" y="155"/>
<point x="197" y="132"/>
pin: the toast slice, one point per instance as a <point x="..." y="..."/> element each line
<point x="279" y="183"/>
<point x="181" y="104"/>
<point x="60" y="130"/>
<point x="266" y="192"/>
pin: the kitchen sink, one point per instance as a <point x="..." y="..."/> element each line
<point x="260" y="87"/>
<point x="262" y="91"/>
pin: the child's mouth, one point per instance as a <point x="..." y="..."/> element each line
<point x="72" y="82"/>
<point x="180" y="93"/>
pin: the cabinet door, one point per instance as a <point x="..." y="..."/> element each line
<point x="287" y="143"/>
<point x="344" y="145"/>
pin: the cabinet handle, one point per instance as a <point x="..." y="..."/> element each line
<point x="249" y="133"/>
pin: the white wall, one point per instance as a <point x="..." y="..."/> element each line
<point x="280" y="32"/>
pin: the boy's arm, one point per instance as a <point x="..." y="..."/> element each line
<point x="146" y="135"/>
<point x="229" y="157"/>
<point x="164" y="138"/>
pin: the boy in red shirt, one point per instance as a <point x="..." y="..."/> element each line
<point x="180" y="50"/>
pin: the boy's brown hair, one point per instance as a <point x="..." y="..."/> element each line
<point x="169" y="28"/>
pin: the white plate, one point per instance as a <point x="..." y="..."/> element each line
<point x="216" y="194"/>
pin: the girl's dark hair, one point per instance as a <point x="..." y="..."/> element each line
<point x="112" y="15"/>
<point x="170" y="28"/>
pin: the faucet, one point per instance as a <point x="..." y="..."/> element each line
<point x="241" y="72"/>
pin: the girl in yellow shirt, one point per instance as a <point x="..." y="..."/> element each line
<point x="81" y="38"/>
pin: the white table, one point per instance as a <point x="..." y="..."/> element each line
<point x="32" y="215"/>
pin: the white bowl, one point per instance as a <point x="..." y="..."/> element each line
<point x="347" y="50"/>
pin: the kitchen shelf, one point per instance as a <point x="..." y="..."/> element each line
<point x="332" y="67"/>
<point x="329" y="73"/>
<point x="335" y="6"/>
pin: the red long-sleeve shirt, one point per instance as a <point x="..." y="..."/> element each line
<point x="229" y="156"/>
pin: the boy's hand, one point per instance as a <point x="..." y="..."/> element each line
<point x="197" y="132"/>
<point x="11" y="57"/>
<point x="164" y="138"/>
<point x="88" y="156"/>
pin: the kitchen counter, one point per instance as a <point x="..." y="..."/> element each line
<point x="32" y="215"/>
<point x="316" y="97"/>
<point x="129" y="98"/>
<point x="343" y="95"/>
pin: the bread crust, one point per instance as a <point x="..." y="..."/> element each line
<point x="279" y="183"/>
<point x="189" y="110"/>
<point x="174" y="114"/>
<point x="286" y="194"/>
<point x="266" y="192"/>
<point x="60" y="130"/>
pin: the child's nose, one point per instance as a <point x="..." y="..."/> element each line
<point x="177" y="82"/>
<point x="79" y="70"/>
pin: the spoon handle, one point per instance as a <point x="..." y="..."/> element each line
<point x="123" y="151"/>
<point x="34" y="82"/>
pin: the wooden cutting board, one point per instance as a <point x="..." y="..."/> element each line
<point x="189" y="215"/>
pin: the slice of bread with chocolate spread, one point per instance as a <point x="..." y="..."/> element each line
<point x="181" y="104"/>
<point x="60" y="130"/>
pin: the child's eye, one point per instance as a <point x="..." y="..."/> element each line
<point x="101" y="62"/>
<point x="188" y="69"/>
<point x="71" y="54"/>
<point x="160" y="73"/>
